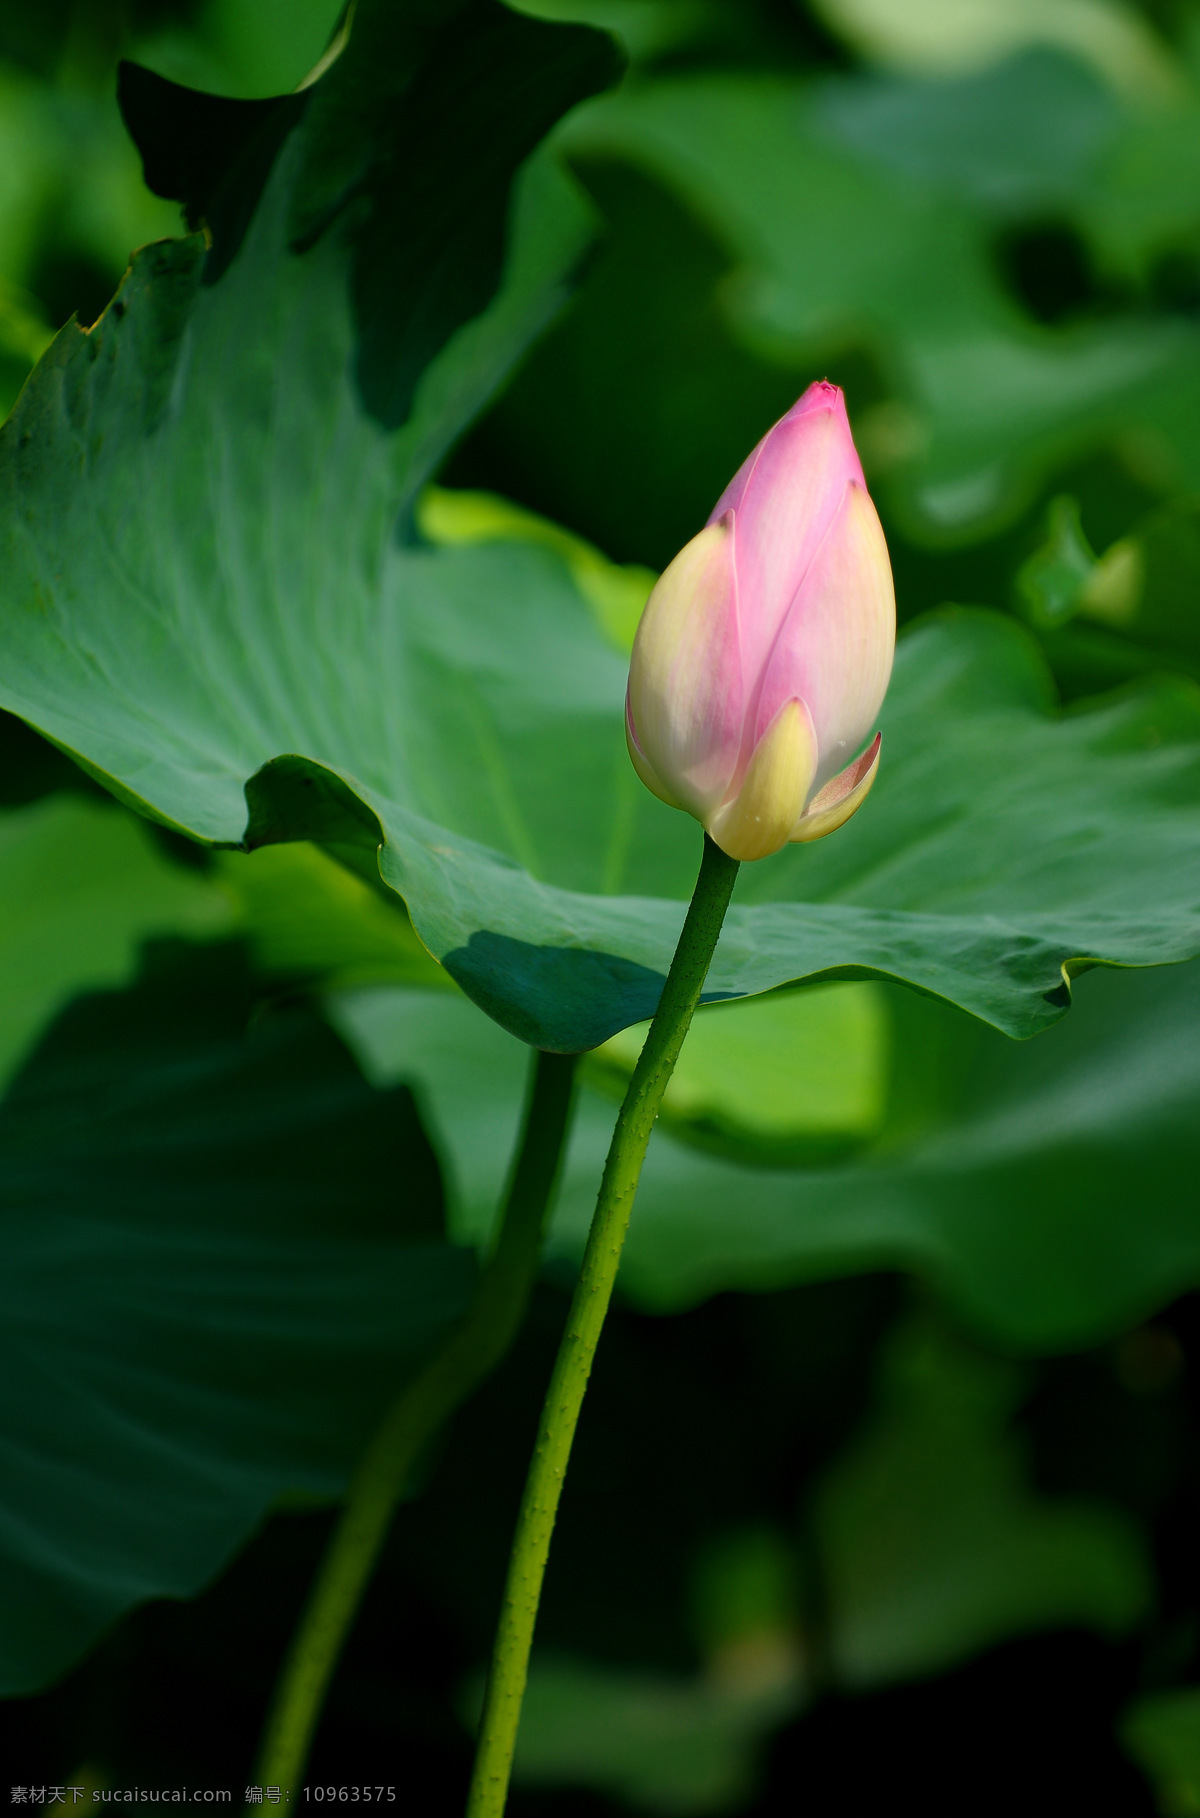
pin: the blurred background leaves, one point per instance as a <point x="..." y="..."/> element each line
<point x="72" y="200"/>
<point x="826" y="1543"/>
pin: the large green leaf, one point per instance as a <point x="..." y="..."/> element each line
<point x="222" y="1253"/>
<point x="1046" y="1189"/>
<point x="205" y="597"/>
<point x="1005" y="846"/>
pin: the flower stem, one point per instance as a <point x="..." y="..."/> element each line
<point x="468" y="1356"/>
<point x="560" y="1414"/>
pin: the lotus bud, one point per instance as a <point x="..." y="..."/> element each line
<point x="764" y="651"/>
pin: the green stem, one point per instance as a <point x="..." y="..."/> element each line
<point x="560" y="1414"/>
<point x="469" y="1355"/>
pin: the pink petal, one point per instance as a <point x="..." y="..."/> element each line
<point x="685" y="676"/>
<point x="835" y="647"/>
<point x="784" y="498"/>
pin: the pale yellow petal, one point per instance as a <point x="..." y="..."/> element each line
<point x="841" y="797"/>
<point x="760" y="818"/>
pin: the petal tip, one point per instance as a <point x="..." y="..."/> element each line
<point x="821" y="394"/>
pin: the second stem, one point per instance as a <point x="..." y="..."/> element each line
<point x="469" y="1355"/>
<point x="543" y="1486"/>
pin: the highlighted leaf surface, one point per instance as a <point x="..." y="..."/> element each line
<point x="208" y="595"/>
<point x="1045" y="1188"/>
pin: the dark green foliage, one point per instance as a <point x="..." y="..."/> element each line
<point x="228" y="598"/>
<point x="210" y="153"/>
<point x="223" y="1255"/>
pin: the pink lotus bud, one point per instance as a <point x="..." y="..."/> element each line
<point x="765" y="649"/>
